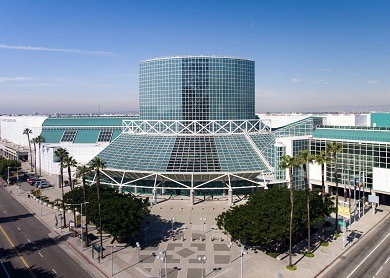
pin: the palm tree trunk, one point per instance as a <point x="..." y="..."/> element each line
<point x="35" y="158"/>
<point x="99" y="210"/>
<point x="337" y="190"/>
<point x="291" y="214"/>
<point x="29" y="145"/>
<point x="323" y="196"/>
<point x="40" y="164"/>
<point x="308" y="206"/>
<point x="62" y="189"/>
<point x="86" y="214"/>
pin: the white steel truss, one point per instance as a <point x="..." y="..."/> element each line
<point x="195" y="127"/>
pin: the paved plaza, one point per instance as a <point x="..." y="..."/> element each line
<point x="189" y="246"/>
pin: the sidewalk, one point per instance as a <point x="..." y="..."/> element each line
<point x="193" y="238"/>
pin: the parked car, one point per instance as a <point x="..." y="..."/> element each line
<point x="43" y="184"/>
<point x="34" y="180"/>
<point x="31" y="178"/>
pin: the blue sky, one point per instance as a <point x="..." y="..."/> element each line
<point x="74" y="56"/>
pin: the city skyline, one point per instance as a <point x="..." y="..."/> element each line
<point x="82" y="57"/>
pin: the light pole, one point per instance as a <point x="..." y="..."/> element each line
<point x="202" y="259"/>
<point x="229" y="245"/>
<point x="138" y="246"/>
<point x="243" y="252"/>
<point x="173" y="221"/>
<point x="81" y="221"/>
<point x="203" y="222"/>
<point x="8" y="175"/>
<point x="163" y="258"/>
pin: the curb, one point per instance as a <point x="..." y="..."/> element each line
<point x="350" y="247"/>
<point x="55" y="239"/>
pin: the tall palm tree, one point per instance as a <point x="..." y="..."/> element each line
<point x="289" y="163"/>
<point x="34" y="141"/>
<point x="40" y="139"/>
<point x="61" y="153"/>
<point x="335" y="148"/>
<point x="304" y="158"/>
<point x="28" y="131"/>
<point x="322" y="158"/>
<point x="81" y="172"/>
<point x="97" y="165"/>
<point x="69" y="163"/>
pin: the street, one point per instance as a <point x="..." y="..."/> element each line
<point x="26" y="250"/>
<point x="369" y="258"/>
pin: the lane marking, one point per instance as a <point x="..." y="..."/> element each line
<point x="19" y="255"/>
<point x="368" y="256"/>
<point x="40" y="254"/>
<point x="54" y="271"/>
<point x="6" y="272"/>
<point x="18" y="228"/>
<point x="28" y="240"/>
<point x="379" y="270"/>
<point x="4" y="211"/>
<point x="387" y="260"/>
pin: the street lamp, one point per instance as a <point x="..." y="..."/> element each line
<point x="163" y="258"/>
<point x="172" y="220"/>
<point x="81" y="221"/>
<point x="203" y="222"/>
<point x="202" y="259"/>
<point x="138" y="246"/>
<point x="243" y="252"/>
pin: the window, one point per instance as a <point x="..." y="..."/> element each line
<point x="68" y="136"/>
<point x="104" y="136"/>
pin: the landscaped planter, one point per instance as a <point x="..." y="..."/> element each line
<point x="45" y="203"/>
<point x="69" y="211"/>
<point x="49" y="205"/>
<point x="56" y="207"/>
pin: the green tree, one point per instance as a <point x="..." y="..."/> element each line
<point x="97" y="165"/>
<point x="40" y="140"/>
<point x="81" y="172"/>
<point x="303" y="159"/>
<point x="61" y="153"/>
<point x="27" y="132"/>
<point x="69" y="163"/>
<point x="322" y="158"/>
<point x="289" y="163"/>
<point x="335" y="148"/>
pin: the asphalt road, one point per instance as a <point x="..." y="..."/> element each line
<point x="26" y="250"/>
<point x="369" y="258"/>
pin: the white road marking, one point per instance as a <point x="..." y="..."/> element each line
<point x="367" y="256"/>
<point x="387" y="260"/>
<point x="40" y="254"/>
<point x="379" y="270"/>
<point x="18" y="228"/>
<point x="54" y="271"/>
<point x="28" y="240"/>
<point x="4" y="211"/>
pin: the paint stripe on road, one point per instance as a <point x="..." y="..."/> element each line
<point x="379" y="270"/>
<point x="54" y="271"/>
<point x="5" y="212"/>
<point x="28" y="240"/>
<point x="40" y="254"/>
<point x="387" y="260"/>
<point x="18" y="228"/>
<point x="368" y="256"/>
<point x="19" y="255"/>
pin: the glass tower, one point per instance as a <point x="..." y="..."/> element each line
<point x="200" y="88"/>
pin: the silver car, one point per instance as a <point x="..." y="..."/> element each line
<point x="43" y="184"/>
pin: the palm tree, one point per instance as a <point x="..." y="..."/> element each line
<point x="335" y="148"/>
<point x="28" y="131"/>
<point x="70" y="162"/>
<point x="81" y="172"/>
<point x="40" y="139"/>
<point x="62" y="153"/>
<point x="289" y="163"/>
<point x="97" y="164"/>
<point x="35" y="141"/>
<point x="304" y="158"/>
<point x="322" y="158"/>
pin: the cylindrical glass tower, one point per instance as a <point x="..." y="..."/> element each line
<point x="200" y="88"/>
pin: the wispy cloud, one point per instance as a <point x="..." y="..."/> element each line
<point x="17" y="78"/>
<point x="321" y="82"/>
<point x="371" y="82"/>
<point x="296" y="80"/>
<point x="63" y="50"/>
<point x="321" y="69"/>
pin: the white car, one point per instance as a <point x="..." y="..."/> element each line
<point x="43" y="184"/>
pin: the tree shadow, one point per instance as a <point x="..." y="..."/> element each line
<point x="15" y="218"/>
<point x="153" y="230"/>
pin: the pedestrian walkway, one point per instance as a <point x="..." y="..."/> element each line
<point x="176" y="235"/>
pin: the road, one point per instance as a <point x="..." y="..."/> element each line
<point x="26" y="250"/>
<point x="369" y="258"/>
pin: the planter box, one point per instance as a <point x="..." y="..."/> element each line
<point x="49" y="205"/>
<point x="56" y="207"/>
<point x="70" y="211"/>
